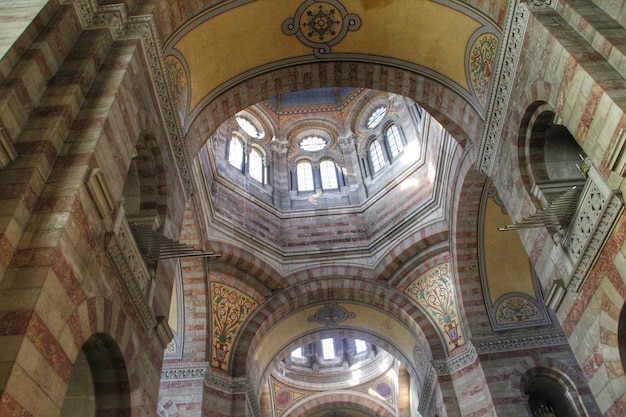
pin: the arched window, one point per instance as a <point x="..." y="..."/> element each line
<point x="256" y="165"/>
<point x="376" y="117"/>
<point x="328" y="174"/>
<point x="235" y="153"/>
<point x="394" y="140"/>
<point x="377" y="157"/>
<point x="304" y="173"/>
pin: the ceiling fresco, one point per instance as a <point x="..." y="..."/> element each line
<point x="458" y="48"/>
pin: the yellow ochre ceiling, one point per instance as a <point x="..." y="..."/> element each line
<point x="231" y="40"/>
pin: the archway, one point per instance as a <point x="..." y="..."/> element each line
<point x="98" y="383"/>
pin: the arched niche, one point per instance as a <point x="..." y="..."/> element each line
<point x="98" y="383"/>
<point x="550" y="157"/>
<point x="550" y="394"/>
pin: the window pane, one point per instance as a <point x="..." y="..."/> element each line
<point x="235" y="153"/>
<point x="313" y="143"/>
<point x="394" y="140"/>
<point x="297" y="353"/>
<point x="376" y="117"/>
<point x="376" y="156"/>
<point x="305" y="176"/>
<point x="329" y="175"/>
<point x="256" y="165"/>
<point x="360" y="346"/>
<point x="328" y="349"/>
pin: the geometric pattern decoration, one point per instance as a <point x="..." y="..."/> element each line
<point x="229" y="309"/>
<point x="434" y="292"/>
<point x="482" y="57"/>
<point x="321" y="24"/>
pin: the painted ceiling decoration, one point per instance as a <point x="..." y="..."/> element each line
<point x="331" y="315"/>
<point x="512" y="299"/>
<point x="434" y="291"/>
<point x="482" y="58"/>
<point x="230" y="308"/>
<point x="461" y="57"/>
<point x="321" y="24"/>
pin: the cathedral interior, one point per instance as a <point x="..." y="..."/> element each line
<point x="313" y="208"/>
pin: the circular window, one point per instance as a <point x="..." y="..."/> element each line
<point x="313" y="144"/>
<point x="376" y="117"/>
<point x="249" y="127"/>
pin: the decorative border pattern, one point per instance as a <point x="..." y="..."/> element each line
<point x="234" y="386"/>
<point x="427" y="391"/>
<point x="116" y="19"/>
<point x="508" y="343"/>
<point x="598" y="210"/>
<point x="130" y="267"/>
<point x="455" y="363"/>
<point x="321" y="24"/>
<point x="184" y="371"/>
<point x="508" y="57"/>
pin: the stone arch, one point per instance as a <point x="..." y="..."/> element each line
<point x="569" y="376"/>
<point x="99" y="371"/>
<point x="547" y="155"/>
<point x="339" y="400"/>
<point x="454" y="113"/>
<point x="366" y="293"/>
<point x="244" y="260"/>
<point x="108" y="328"/>
<point x="551" y="391"/>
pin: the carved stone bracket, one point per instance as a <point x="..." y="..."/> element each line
<point x="598" y="209"/>
<point x="457" y="362"/>
<point x="115" y="18"/>
<point x="130" y="267"/>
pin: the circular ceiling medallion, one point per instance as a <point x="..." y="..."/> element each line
<point x="321" y="24"/>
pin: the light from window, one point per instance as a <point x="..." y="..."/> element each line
<point x="329" y="175"/>
<point x="360" y="346"/>
<point x="328" y="349"/>
<point x="298" y="353"/>
<point x="304" y="173"/>
<point x="376" y="156"/>
<point x="235" y="153"/>
<point x="312" y="143"/>
<point x="248" y="127"/>
<point x="376" y="117"/>
<point x="256" y="165"/>
<point x="394" y="140"/>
